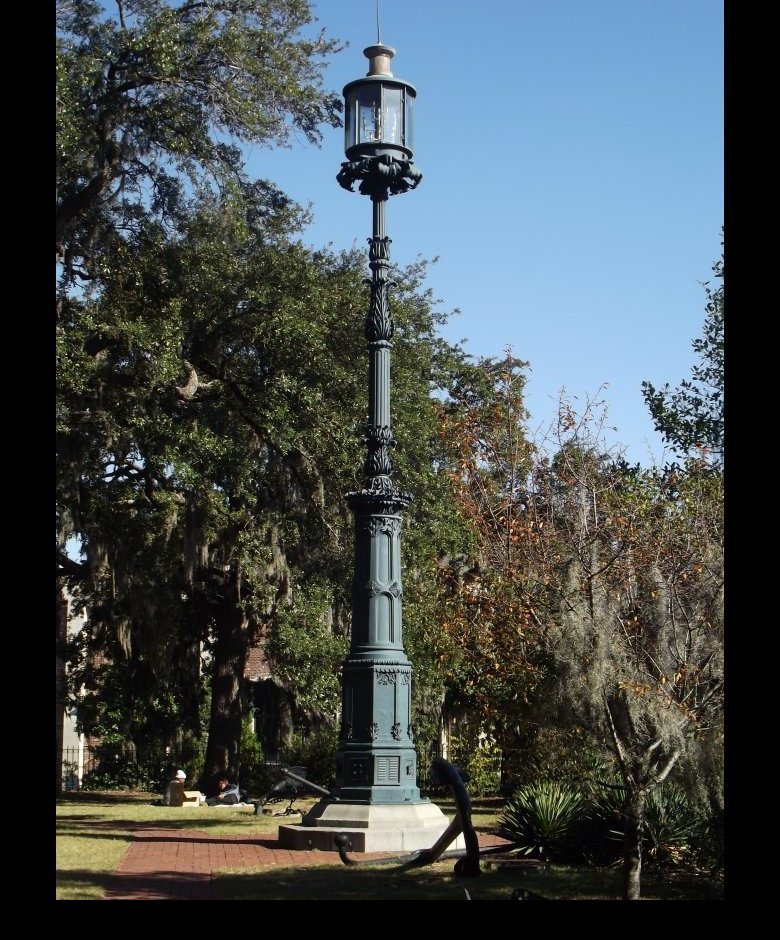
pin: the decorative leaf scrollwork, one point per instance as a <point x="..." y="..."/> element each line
<point x="379" y="176"/>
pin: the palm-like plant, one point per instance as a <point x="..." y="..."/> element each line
<point x="540" y="819"/>
<point x="672" y="825"/>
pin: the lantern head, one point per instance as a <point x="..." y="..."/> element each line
<point x="378" y="110"/>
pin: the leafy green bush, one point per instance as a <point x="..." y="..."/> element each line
<point x="115" y="770"/>
<point x="484" y="770"/>
<point x="317" y="753"/>
<point x="544" y="819"/>
<point x="479" y="756"/>
<point x="571" y="756"/>
<point x="306" y="654"/>
<point x="252" y="759"/>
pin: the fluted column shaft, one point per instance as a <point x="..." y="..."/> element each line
<point x="376" y="761"/>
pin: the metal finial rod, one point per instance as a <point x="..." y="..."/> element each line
<point x="378" y="39"/>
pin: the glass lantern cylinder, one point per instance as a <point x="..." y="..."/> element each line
<point x="378" y="111"/>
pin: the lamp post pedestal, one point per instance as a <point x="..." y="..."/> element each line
<point x="375" y="799"/>
<point x="396" y="828"/>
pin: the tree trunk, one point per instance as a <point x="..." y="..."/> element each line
<point x="61" y="684"/>
<point x="634" y="813"/>
<point x="228" y="664"/>
<point x="189" y="681"/>
<point x="274" y="713"/>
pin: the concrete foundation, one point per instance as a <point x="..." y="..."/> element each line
<point x="405" y="827"/>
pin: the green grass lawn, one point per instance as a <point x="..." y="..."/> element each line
<point x="94" y="833"/>
<point x="438" y="883"/>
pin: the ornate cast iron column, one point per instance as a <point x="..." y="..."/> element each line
<point x="375" y="801"/>
<point x="376" y="761"/>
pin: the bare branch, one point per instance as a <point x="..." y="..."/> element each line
<point x="664" y="772"/>
<point x="619" y="752"/>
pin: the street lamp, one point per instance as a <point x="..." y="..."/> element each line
<point x="375" y="797"/>
<point x="376" y="759"/>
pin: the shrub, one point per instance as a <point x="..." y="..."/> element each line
<point x="252" y="758"/>
<point x="675" y="832"/>
<point x="672" y="827"/>
<point x="116" y="770"/>
<point x="707" y="848"/>
<point x="571" y="757"/>
<point x="484" y="770"/>
<point x="602" y="836"/>
<point x="479" y="756"/>
<point x="544" y="818"/>
<point x="317" y="753"/>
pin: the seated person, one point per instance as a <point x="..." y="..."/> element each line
<point x="228" y="794"/>
<point x="174" y="792"/>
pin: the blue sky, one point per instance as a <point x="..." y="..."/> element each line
<point x="572" y="159"/>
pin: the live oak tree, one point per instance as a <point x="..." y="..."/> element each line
<point x="165" y="491"/>
<point x="148" y="95"/>
<point x="210" y="369"/>
<point x="153" y="98"/>
<point x="222" y="494"/>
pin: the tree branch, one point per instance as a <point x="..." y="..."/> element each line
<point x="73" y="569"/>
<point x="661" y="775"/>
<point x="620" y="753"/>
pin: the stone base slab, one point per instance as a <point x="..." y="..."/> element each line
<point x="371" y="828"/>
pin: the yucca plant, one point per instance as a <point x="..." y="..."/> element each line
<point x="541" y="818"/>
<point x="604" y="836"/>
<point x="672" y="825"/>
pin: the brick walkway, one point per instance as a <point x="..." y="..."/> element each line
<point x="179" y="865"/>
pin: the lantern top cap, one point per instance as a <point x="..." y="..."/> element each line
<point x="379" y="56"/>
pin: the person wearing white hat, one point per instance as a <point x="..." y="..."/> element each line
<point x="174" y="792"/>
